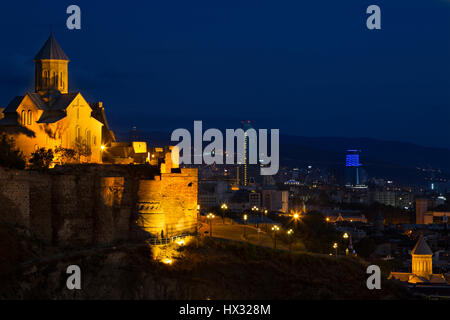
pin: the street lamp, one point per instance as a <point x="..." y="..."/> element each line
<point x="350" y="244"/>
<point x="335" y="246"/>
<point x="275" y="229"/>
<point x="210" y="217"/>
<point x="290" y="232"/>
<point x="245" y="225"/>
<point x="224" y="207"/>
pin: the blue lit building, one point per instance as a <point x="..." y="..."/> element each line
<point x="354" y="173"/>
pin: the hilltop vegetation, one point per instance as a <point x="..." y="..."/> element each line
<point x="207" y="270"/>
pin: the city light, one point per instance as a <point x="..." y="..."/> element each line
<point x="103" y="148"/>
<point x="167" y="261"/>
<point x="345" y="236"/>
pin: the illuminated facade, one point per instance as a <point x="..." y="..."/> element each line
<point x="51" y="116"/>
<point x="354" y="174"/>
<point x="422" y="266"/>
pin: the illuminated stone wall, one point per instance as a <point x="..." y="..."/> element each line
<point x="88" y="207"/>
<point x="167" y="205"/>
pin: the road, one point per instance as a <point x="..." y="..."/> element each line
<point x="231" y="230"/>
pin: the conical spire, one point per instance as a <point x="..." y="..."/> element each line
<point x="51" y="51"/>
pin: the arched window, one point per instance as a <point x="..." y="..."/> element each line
<point x="61" y="79"/>
<point x="45" y="78"/>
<point x="88" y="138"/>
<point x="95" y="140"/>
<point x="55" y="79"/>
<point x="78" y="133"/>
<point x="30" y="119"/>
<point x="23" y="119"/>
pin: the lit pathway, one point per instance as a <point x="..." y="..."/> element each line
<point x="236" y="231"/>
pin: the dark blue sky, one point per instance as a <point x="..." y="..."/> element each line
<point x="307" y="67"/>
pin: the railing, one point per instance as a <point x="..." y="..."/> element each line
<point x="164" y="241"/>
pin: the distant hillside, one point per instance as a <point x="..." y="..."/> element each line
<point x="389" y="159"/>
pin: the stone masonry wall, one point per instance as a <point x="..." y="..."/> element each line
<point x="99" y="206"/>
<point x="167" y="205"/>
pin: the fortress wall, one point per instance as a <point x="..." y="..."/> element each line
<point x="151" y="217"/>
<point x="15" y="189"/>
<point x="40" y="203"/>
<point x="179" y="201"/>
<point x="73" y="201"/>
<point x="111" y="219"/>
<point x="89" y="208"/>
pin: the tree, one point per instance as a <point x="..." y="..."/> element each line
<point x="10" y="157"/>
<point x="41" y="159"/>
<point x="365" y="247"/>
<point x="65" y="155"/>
<point x="316" y="233"/>
<point x="82" y="149"/>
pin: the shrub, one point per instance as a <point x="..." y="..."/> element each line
<point x="65" y="155"/>
<point x="41" y="159"/>
<point x="10" y="157"/>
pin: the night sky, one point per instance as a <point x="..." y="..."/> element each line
<point x="309" y="68"/>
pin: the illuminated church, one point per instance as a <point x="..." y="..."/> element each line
<point x="51" y="116"/>
<point x="422" y="266"/>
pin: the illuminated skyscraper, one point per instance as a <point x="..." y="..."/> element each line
<point x="354" y="174"/>
<point x="246" y="125"/>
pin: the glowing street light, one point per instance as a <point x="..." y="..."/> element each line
<point x="198" y="219"/>
<point x="245" y="225"/>
<point x="274" y="230"/>
<point x="210" y="218"/>
<point x="290" y="232"/>
<point x="350" y="244"/>
<point x="224" y="207"/>
<point x="335" y="246"/>
<point x="103" y="148"/>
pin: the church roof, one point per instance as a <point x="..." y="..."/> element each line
<point x="51" y="51"/>
<point x="13" y="104"/>
<point x="53" y="110"/>
<point x="421" y="247"/>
